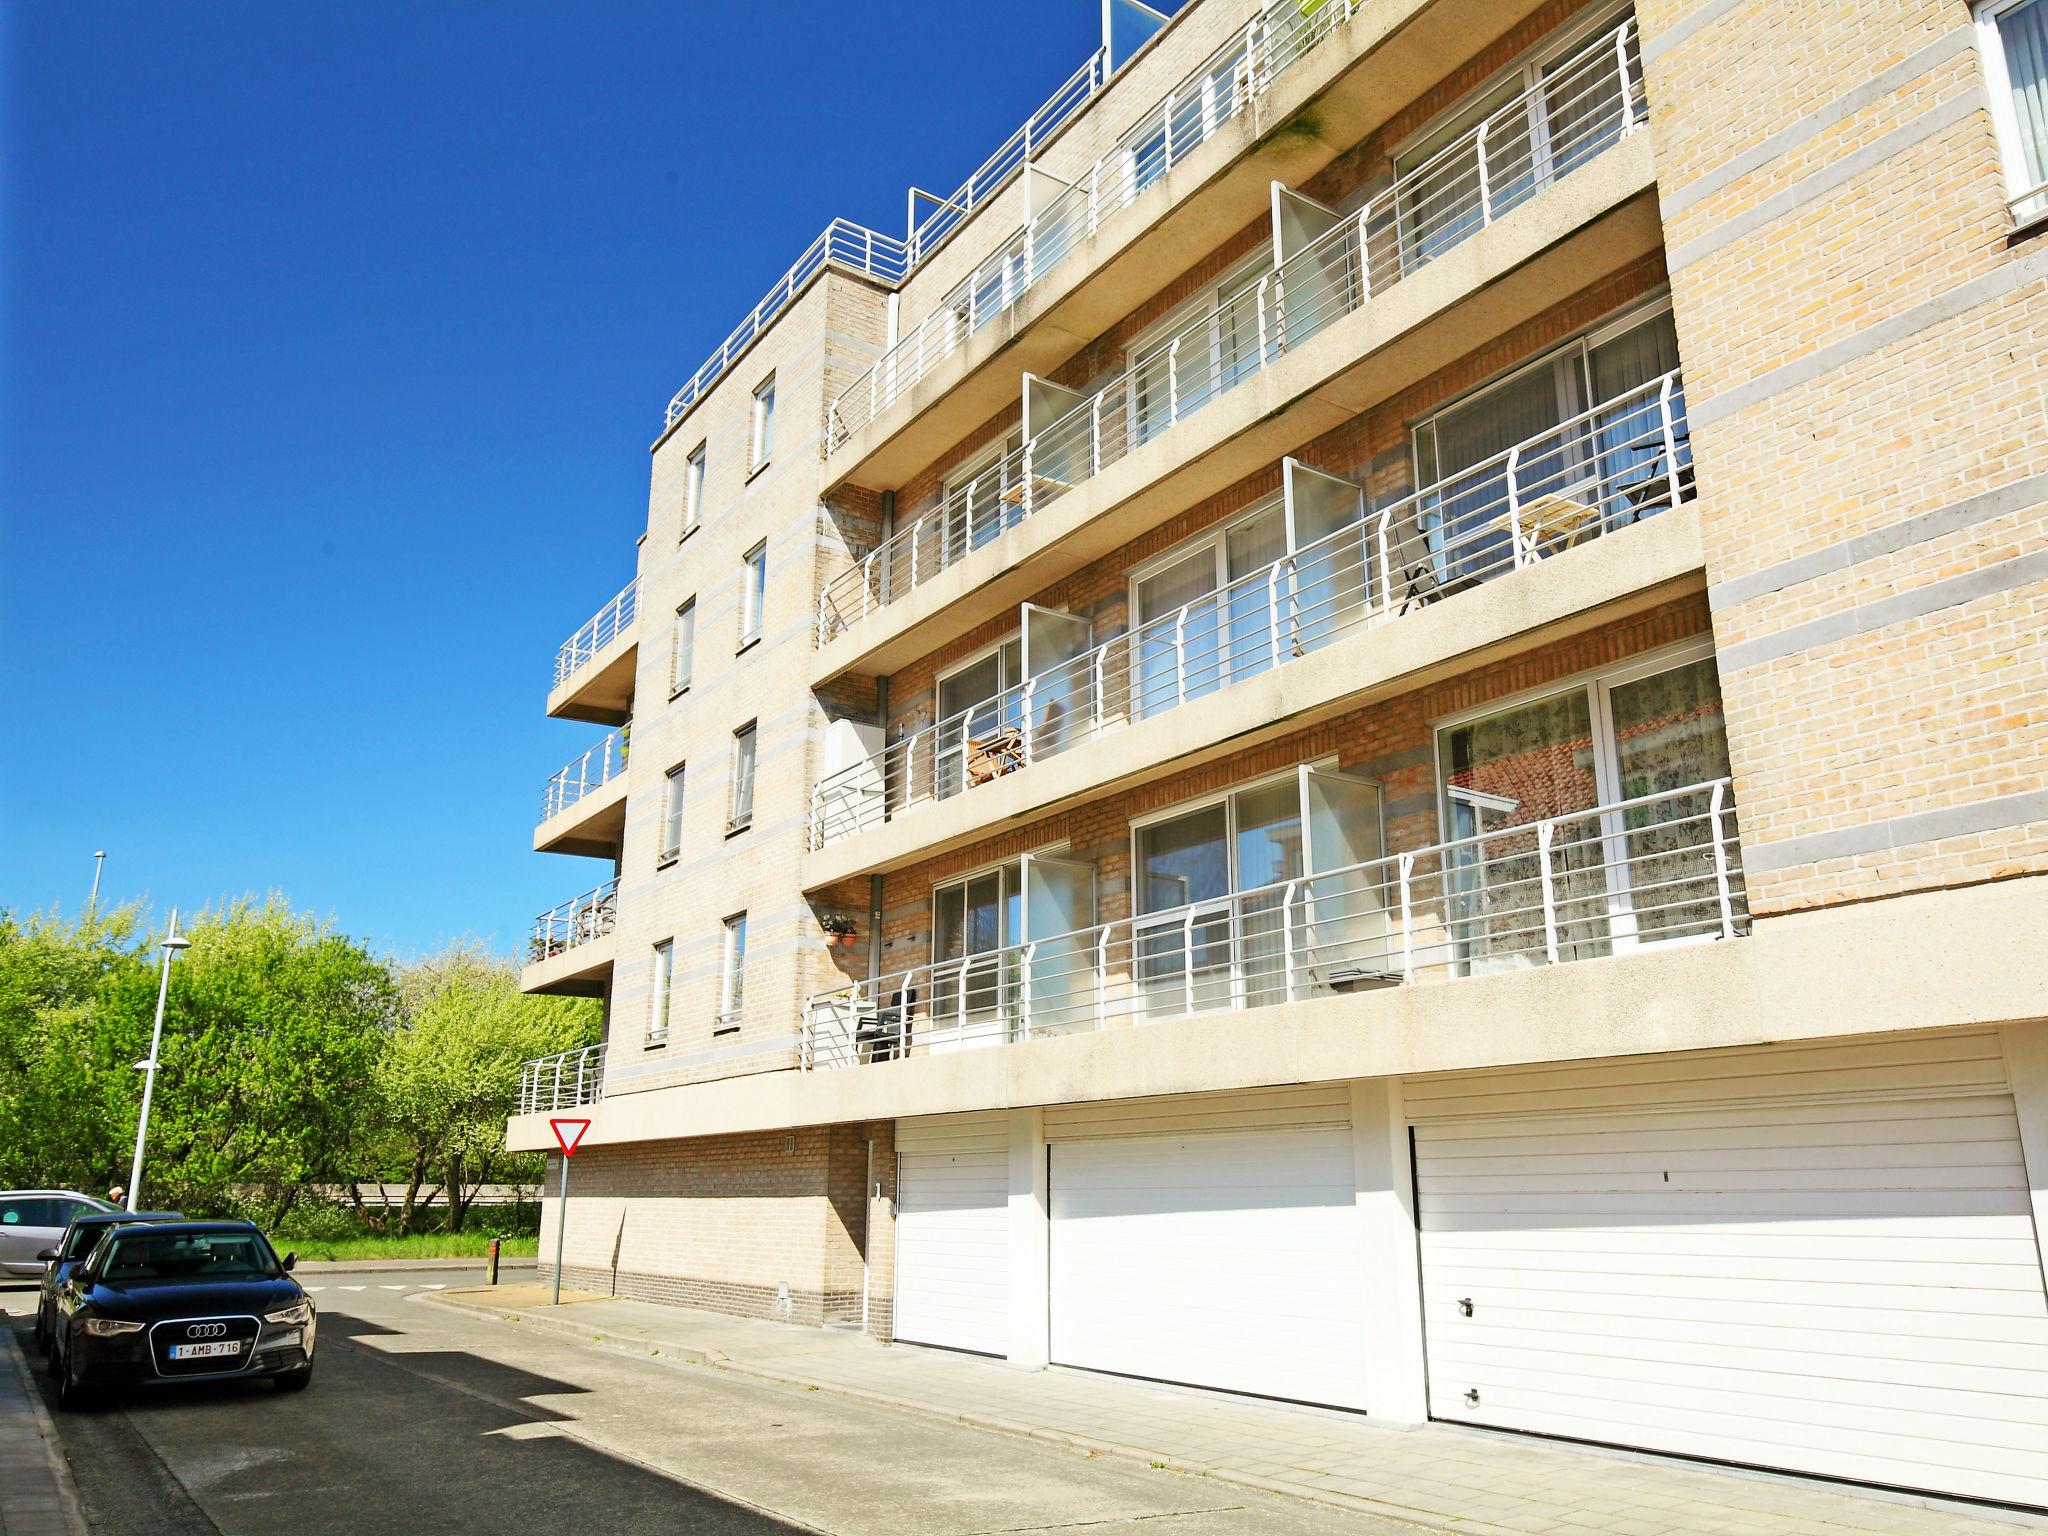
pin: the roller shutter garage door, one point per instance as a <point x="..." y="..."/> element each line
<point x="953" y="1232"/>
<point x="1839" y="1282"/>
<point x="1226" y="1259"/>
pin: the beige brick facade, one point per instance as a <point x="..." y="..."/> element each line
<point x="1862" y="335"/>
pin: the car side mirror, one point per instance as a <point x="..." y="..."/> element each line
<point x="48" y="1256"/>
<point x="289" y="1263"/>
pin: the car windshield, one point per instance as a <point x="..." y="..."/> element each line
<point x="187" y="1256"/>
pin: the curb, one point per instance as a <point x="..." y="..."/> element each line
<point x="68" y="1504"/>
<point x="568" y="1328"/>
<point x="402" y="1266"/>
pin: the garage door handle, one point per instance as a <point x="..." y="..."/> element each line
<point x="1465" y="1305"/>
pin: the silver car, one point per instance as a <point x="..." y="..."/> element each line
<point x="33" y="1221"/>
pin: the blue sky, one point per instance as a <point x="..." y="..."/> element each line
<point x="332" y="339"/>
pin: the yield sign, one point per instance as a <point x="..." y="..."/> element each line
<point x="570" y="1134"/>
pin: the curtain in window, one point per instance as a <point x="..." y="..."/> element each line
<point x="1466" y="514"/>
<point x="1628" y="435"/>
<point x="1252" y="546"/>
<point x="1669" y="732"/>
<point x="2024" y="32"/>
<point x="1180" y="862"/>
<point x="1268" y="853"/>
<point x="1586" y="106"/>
<point x="1176" y="659"/>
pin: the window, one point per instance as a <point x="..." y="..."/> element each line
<point x="672" y="815"/>
<point x="732" y="974"/>
<point x="974" y="718"/>
<point x="1588" y="419"/>
<point x="693" y="490"/>
<point x="753" y="592"/>
<point x="763" y="436"/>
<point x="981" y="498"/>
<point x="742" y="815"/>
<point x="973" y="918"/>
<point x="664" y="989"/>
<point x="1627" y="877"/>
<point x="1200" y="350"/>
<point x="685" y="657"/>
<point x="2013" y="38"/>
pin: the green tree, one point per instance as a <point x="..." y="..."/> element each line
<point x="449" y="1079"/>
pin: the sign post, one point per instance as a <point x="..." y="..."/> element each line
<point x="570" y="1134"/>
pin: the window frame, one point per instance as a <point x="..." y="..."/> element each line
<point x="761" y="427"/>
<point x="695" y="467"/>
<point x="2005" y="125"/>
<point x="737" y="821"/>
<point x="682" y="664"/>
<point x="1327" y="763"/>
<point x="753" y="604"/>
<point x="661" y="998"/>
<point x="732" y="974"/>
<point x="673" y="787"/>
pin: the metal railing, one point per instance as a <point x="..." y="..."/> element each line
<point x="1658" y="868"/>
<point x="1584" y="105"/>
<point x="1607" y="468"/>
<point x="576" y="921"/>
<point x="599" y="631"/>
<point x="593" y="770"/>
<point x="993" y="174"/>
<point x="1214" y="94"/>
<point x="2030" y="206"/>
<point x="843" y="241"/>
<point x="548" y="1084"/>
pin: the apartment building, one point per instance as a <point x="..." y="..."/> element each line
<point x="1368" y="727"/>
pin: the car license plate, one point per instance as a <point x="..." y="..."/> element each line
<point x="205" y="1351"/>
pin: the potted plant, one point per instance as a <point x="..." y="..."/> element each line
<point x="839" y="931"/>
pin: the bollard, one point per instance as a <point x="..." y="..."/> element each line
<point x="491" y="1264"/>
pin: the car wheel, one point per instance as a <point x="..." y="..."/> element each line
<point x="294" y="1381"/>
<point x="71" y="1395"/>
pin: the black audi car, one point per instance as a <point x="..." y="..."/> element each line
<point x="71" y="1250"/>
<point x="180" y="1301"/>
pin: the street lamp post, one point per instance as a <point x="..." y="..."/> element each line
<point x="173" y="941"/>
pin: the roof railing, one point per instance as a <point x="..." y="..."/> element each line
<point x="1611" y="879"/>
<point x="1584" y="105"/>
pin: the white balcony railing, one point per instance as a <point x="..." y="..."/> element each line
<point x="1657" y="869"/>
<point x="1215" y="93"/>
<point x="576" y="921"/>
<point x="2030" y="207"/>
<point x="843" y="241"/>
<point x="593" y="770"/>
<point x="549" y="1084"/>
<point x="1608" y="468"/>
<point x="1583" y="106"/>
<point x="599" y="631"/>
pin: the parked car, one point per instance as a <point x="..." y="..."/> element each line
<point x="71" y="1250"/>
<point x="34" y="1219"/>
<point x="180" y="1301"/>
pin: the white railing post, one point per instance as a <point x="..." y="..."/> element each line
<point x="1095" y="432"/>
<point x="1025" y="703"/>
<point x="1024" y="987"/>
<point x="1479" y="159"/>
<point x="1173" y="382"/>
<point x="1628" y="90"/>
<point x="823" y="598"/>
<point x="1259" y="302"/>
<point x="1546" y="831"/>
<point x="1670" y="438"/>
<point x="1365" y="252"/>
<point x="1406" y="868"/>
<point x="1515" y="506"/>
<point x="1180" y="655"/>
<point x="1273" y="607"/>
<point x="1715" y="811"/>
<point x="1187" y="948"/>
<point x="1287" y="940"/>
<point x="1386" y="577"/>
<point x="1102" y="979"/>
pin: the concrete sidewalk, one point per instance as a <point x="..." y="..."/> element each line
<point x="36" y="1496"/>
<point x="1500" y="1485"/>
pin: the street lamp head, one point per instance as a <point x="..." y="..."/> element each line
<point x="175" y="940"/>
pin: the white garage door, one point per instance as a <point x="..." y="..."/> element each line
<point x="1840" y="1284"/>
<point x="953" y="1232"/>
<point x="1220" y="1260"/>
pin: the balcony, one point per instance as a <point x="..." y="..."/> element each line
<point x="1330" y="267"/>
<point x="1217" y="93"/>
<point x="1608" y="469"/>
<point x="551" y="1084"/>
<point x="583" y="810"/>
<point x="571" y="951"/>
<point x="1648" y="872"/>
<point x="594" y="667"/>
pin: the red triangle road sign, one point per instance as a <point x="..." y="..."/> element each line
<point x="570" y="1134"/>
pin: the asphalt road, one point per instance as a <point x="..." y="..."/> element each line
<point x="425" y="1419"/>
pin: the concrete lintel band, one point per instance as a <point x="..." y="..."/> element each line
<point x="1829" y="178"/>
<point x="1845" y="106"/>
<point x="1998" y="283"/>
<point x="1862" y="618"/>
<point x="1994" y="815"/>
<point x="1684" y="29"/>
<point x="1825" y="561"/>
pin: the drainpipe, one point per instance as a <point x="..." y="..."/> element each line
<point x="881" y="719"/>
<point x="867" y="1233"/>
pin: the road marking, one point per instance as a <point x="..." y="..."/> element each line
<point x="390" y="1287"/>
<point x="312" y="1287"/>
<point x="433" y="1287"/>
<point x="353" y="1287"/>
